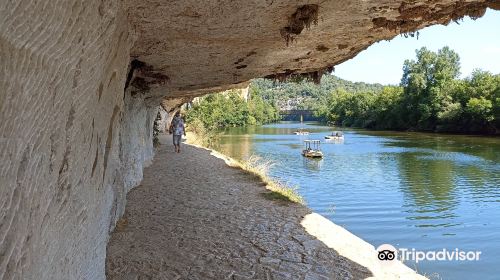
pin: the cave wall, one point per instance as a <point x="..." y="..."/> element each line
<point x="72" y="144"/>
<point x="136" y="140"/>
<point x="76" y="117"/>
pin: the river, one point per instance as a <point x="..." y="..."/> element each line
<point x="411" y="190"/>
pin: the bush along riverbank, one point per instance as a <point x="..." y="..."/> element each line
<point x="229" y="109"/>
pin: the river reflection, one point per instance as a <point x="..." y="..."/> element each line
<point x="428" y="188"/>
<point x="412" y="190"/>
<point x="312" y="164"/>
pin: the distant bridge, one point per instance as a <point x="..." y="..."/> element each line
<point x="298" y="115"/>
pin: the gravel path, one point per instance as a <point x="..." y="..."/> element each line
<point x="194" y="217"/>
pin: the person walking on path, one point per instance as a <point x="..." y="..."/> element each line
<point x="178" y="129"/>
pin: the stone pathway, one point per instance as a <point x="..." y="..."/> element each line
<point x="194" y="217"/>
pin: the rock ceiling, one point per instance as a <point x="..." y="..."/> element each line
<point x="190" y="47"/>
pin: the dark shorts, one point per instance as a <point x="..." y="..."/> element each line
<point x="177" y="139"/>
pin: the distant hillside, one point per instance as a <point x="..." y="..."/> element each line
<point x="305" y="95"/>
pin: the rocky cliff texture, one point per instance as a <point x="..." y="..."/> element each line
<point x="204" y="46"/>
<point x="81" y="81"/>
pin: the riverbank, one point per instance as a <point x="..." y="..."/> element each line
<point x="491" y="133"/>
<point x="195" y="217"/>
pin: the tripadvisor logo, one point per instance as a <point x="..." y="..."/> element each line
<point x="388" y="254"/>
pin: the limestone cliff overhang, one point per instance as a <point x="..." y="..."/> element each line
<point x="192" y="47"/>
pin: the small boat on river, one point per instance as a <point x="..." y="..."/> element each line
<point x="301" y="132"/>
<point x="312" y="149"/>
<point x="336" y="135"/>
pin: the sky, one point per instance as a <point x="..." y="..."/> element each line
<point x="476" y="42"/>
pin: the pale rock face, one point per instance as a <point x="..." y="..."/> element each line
<point x="62" y="120"/>
<point x="81" y="81"/>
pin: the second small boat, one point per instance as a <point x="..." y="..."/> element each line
<point x="301" y="132"/>
<point x="336" y="135"/>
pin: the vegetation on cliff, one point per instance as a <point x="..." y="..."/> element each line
<point x="305" y="94"/>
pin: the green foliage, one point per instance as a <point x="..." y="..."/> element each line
<point x="426" y="84"/>
<point x="216" y="111"/>
<point x="480" y="109"/>
<point x="202" y="135"/>
<point x="431" y="97"/>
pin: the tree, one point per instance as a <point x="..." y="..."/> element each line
<point x="387" y="109"/>
<point x="480" y="110"/>
<point x="426" y="84"/>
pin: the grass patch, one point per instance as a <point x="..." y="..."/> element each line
<point x="277" y="190"/>
<point x="283" y="193"/>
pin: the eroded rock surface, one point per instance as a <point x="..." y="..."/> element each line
<point x="61" y="109"/>
<point x="81" y="81"/>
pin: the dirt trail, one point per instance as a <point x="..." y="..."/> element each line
<point x="194" y="217"/>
